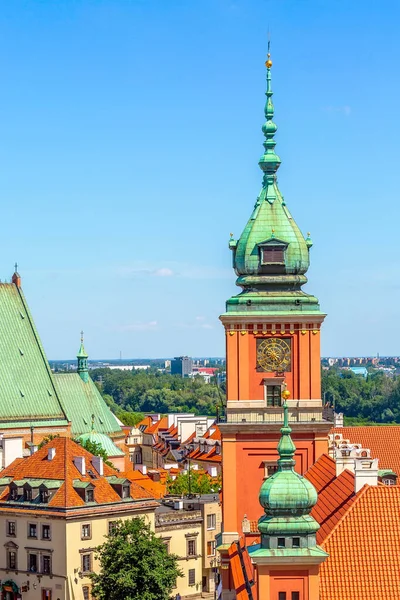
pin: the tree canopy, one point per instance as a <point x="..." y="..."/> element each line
<point x="96" y="449"/>
<point x="134" y="565"/>
<point x="200" y="483"/>
<point x="153" y="391"/>
<point x="375" y="399"/>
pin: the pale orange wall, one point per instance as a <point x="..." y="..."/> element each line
<point x="232" y="377"/>
<point x="243" y="471"/>
<point x="280" y="579"/>
<point x="289" y="581"/>
<point x="229" y="486"/>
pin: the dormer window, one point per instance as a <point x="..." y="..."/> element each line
<point x="89" y="495"/>
<point x="44" y="496"/>
<point x="13" y="493"/>
<point x="27" y="494"/>
<point x="272" y="253"/>
<point x="126" y="491"/>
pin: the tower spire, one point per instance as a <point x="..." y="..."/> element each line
<point x="286" y="447"/>
<point x="82" y="357"/>
<point x="271" y="257"/>
<point x="269" y="161"/>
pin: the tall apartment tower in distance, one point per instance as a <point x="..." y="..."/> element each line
<point x="181" y="365"/>
<point x="272" y="348"/>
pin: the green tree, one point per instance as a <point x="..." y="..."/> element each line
<point x="130" y="418"/>
<point x="200" y="483"/>
<point x="134" y="565"/>
<point x="96" y="449"/>
<point x="47" y="439"/>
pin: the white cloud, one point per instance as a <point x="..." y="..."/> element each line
<point x="344" y="110"/>
<point x="136" y="326"/>
<point x="163" y="272"/>
<point x="183" y="270"/>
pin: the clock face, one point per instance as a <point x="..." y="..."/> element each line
<point x="273" y="354"/>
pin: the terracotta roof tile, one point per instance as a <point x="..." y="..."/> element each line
<point x="383" y="441"/>
<point x="61" y="467"/>
<point x="363" y="547"/>
<point x="237" y="573"/>
<point x="333" y="502"/>
<point x="158" y="425"/>
<point x="322" y="472"/>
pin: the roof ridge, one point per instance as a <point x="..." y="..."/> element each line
<point x="355" y="502"/>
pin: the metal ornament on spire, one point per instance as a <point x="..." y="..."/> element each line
<point x="286" y="447"/>
<point x="270" y="161"/>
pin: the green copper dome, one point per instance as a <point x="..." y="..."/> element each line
<point x="286" y="496"/>
<point x="102" y="440"/>
<point x="271" y="256"/>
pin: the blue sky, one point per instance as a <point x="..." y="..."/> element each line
<point x="129" y="141"/>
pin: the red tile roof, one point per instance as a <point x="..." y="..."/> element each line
<point x="322" y="472"/>
<point x="158" y="425"/>
<point x="363" y="547"/>
<point x="62" y="467"/>
<point x="383" y="441"/>
<point x="333" y="501"/>
<point x="239" y="582"/>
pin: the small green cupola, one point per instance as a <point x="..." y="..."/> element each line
<point x="287" y="499"/>
<point x="271" y="257"/>
<point x="82" y="357"/>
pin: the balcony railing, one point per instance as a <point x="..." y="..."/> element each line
<point x="275" y="415"/>
<point x="177" y="516"/>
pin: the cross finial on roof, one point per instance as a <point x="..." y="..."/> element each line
<point x="82" y="336"/>
<point x="16" y="267"/>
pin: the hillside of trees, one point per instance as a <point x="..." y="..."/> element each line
<point x="156" y="392"/>
<point x="375" y="399"/>
<point x="132" y="393"/>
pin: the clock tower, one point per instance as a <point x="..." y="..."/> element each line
<point x="272" y="332"/>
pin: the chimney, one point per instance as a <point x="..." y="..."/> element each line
<point x="344" y="458"/>
<point x="246" y="525"/>
<point x="98" y="464"/>
<point x="366" y="472"/>
<point x="338" y="419"/>
<point x="154" y="475"/>
<point x="79" y="462"/>
<point x="51" y="453"/>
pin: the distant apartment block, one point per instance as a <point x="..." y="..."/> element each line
<point x="181" y="365"/>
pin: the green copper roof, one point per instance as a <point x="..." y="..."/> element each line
<point x="113" y="479"/>
<point x="82" y="357"/>
<point x="82" y="352"/>
<point x="287" y="499"/>
<point x="82" y="401"/>
<point x="105" y="442"/>
<point x="286" y="493"/>
<point x="270" y="282"/>
<point x="27" y="391"/>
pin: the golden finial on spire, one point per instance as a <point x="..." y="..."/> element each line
<point x="268" y="62"/>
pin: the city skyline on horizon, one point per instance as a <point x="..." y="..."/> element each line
<point x="97" y="131"/>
